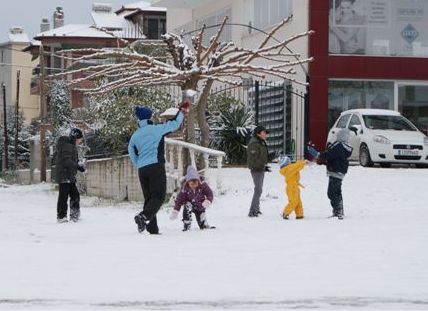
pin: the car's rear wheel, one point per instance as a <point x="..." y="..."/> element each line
<point x="365" y="159"/>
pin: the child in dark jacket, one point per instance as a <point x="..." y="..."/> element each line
<point x="196" y="196"/>
<point x="336" y="158"/>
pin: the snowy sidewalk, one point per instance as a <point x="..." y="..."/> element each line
<point x="377" y="258"/>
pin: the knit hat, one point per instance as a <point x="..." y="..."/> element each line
<point x="143" y="113"/>
<point x="192" y="173"/>
<point x="75" y="133"/>
<point x="283" y="161"/>
<point x="342" y="136"/>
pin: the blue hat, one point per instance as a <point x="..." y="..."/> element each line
<point x="284" y="161"/>
<point x="76" y="133"/>
<point x="143" y="113"/>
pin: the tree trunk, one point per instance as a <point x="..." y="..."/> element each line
<point x="202" y="120"/>
<point x="201" y="110"/>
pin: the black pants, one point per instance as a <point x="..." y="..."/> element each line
<point x="153" y="183"/>
<point x="68" y="190"/>
<point x="334" y="193"/>
<point x="187" y="217"/>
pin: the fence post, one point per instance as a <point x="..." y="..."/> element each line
<point x="256" y="101"/>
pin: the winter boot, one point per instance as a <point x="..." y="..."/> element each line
<point x="62" y="220"/>
<point x="187" y="225"/>
<point x="140" y="220"/>
<point x="74" y="215"/>
<point x="285" y="216"/>
<point x="253" y="214"/>
<point x="299" y="217"/>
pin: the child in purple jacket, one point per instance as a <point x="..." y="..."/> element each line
<point x="196" y="196"/>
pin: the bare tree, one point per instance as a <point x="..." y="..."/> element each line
<point x="200" y="67"/>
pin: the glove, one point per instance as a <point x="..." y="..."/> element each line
<point x="173" y="215"/>
<point x="267" y="168"/>
<point x="206" y="204"/>
<point x="313" y="152"/>
<point x="81" y="168"/>
<point x="185" y="106"/>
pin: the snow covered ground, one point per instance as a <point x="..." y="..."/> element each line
<point x="375" y="259"/>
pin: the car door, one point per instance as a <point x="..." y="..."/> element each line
<point x="355" y="138"/>
<point x="341" y="123"/>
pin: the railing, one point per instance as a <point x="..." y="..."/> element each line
<point x="174" y="161"/>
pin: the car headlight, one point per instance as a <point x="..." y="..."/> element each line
<point x="381" y="139"/>
<point x="425" y="141"/>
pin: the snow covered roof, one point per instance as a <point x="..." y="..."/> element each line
<point x="75" y="30"/>
<point x="108" y="20"/>
<point x="141" y="5"/>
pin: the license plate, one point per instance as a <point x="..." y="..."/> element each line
<point x="408" y="152"/>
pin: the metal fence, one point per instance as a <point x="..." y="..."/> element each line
<point x="277" y="105"/>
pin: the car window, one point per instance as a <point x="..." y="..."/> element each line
<point x="398" y="123"/>
<point x="355" y="120"/>
<point x="343" y="121"/>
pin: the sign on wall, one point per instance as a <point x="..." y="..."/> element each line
<point x="379" y="27"/>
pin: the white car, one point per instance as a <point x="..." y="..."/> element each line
<point x="382" y="136"/>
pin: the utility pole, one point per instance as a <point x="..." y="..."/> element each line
<point x="43" y="115"/>
<point x="5" y="145"/>
<point x="18" y="74"/>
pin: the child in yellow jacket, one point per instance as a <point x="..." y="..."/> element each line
<point x="291" y="172"/>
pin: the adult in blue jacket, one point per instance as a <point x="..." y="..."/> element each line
<point x="146" y="151"/>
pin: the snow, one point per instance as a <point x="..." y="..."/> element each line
<point x="75" y="30"/>
<point x="375" y="259"/>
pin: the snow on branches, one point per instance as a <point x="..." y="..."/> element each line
<point x="219" y="61"/>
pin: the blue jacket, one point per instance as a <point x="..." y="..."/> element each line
<point x="146" y="145"/>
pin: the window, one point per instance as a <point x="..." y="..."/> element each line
<point x="355" y="120"/>
<point x="381" y="27"/>
<point x="343" y="121"/>
<point x="270" y="12"/>
<point x="345" y="95"/>
<point x="216" y="19"/>
<point x="154" y="26"/>
<point x="413" y="104"/>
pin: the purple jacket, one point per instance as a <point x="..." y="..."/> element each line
<point x="196" y="197"/>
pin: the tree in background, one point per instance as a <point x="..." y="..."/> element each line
<point x="60" y="112"/>
<point x="189" y="67"/>
<point x="232" y="122"/>
<point x="23" y="144"/>
<point x="115" y="118"/>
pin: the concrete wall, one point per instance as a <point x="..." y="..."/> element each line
<point x="114" y="179"/>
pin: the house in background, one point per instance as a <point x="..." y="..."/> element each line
<point x="12" y="60"/>
<point x="131" y="22"/>
<point x="280" y="104"/>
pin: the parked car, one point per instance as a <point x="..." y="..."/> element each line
<point x="382" y="136"/>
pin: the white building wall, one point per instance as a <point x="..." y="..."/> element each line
<point x="243" y="13"/>
<point x="14" y="60"/>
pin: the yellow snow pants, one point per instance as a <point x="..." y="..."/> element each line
<point x="294" y="201"/>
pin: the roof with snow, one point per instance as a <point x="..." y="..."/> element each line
<point x="75" y="30"/>
<point x="141" y="5"/>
